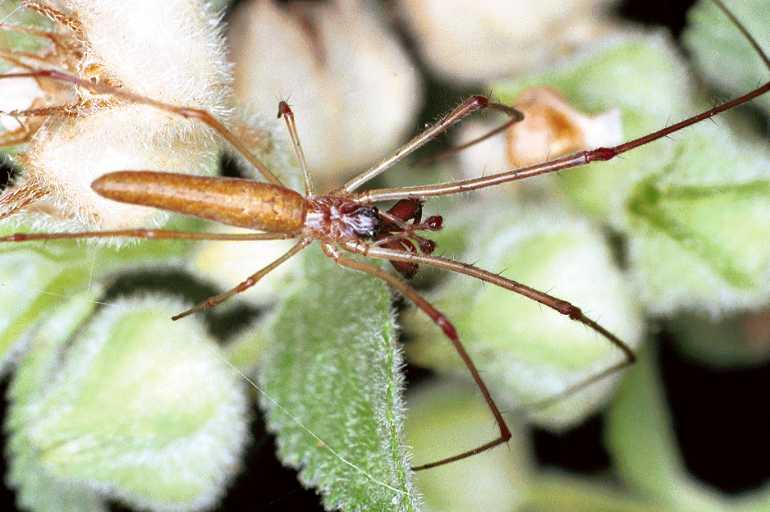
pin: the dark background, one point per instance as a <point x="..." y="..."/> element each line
<point x="720" y="419"/>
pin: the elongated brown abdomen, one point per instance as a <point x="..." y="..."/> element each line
<point x="232" y="201"/>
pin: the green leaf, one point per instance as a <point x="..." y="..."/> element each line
<point x="557" y="493"/>
<point x="526" y="351"/>
<point x="639" y="434"/>
<point x="738" y="68"/>
<point x="142" y="409"/>
<point x="627" y="73"/>
<point x="449" y="417"/>
<point x="35" y="276"/>
<point x="700" y="225"/>
<point x="641" y="442"/>
<point x="333" y="385"/>
<point x="32" y="284"/>
<point x="36" y="489"/>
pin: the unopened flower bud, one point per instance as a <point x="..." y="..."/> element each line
<point x="479" y="40"/>
<point x="351" y="86"/>
<point x="170" y="52"/>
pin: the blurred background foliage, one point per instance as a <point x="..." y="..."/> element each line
<point x="667" y="246"/>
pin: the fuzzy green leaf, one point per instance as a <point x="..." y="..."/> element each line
<point x="142" y="409"/>
<point x="693" y="206"/>
<point x="37" y="490"/>
<point x="700" y="225"/>
<point x="526" y="351"/>
<point x="629" y="74"/>
<point x="36" y="276"/>
<point x="333" y="386"/>
<point x="33" y="282"/>
<point x="738" y="68"/>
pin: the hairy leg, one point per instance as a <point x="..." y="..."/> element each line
<point x="253" y="279"/>
<point x="453" y="150"/>
<point x="285" y="111"/>
<point x="562" y="306"/>
<point x="450" y="332"/>
<point x="467" y="107"/>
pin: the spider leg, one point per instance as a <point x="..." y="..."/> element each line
<point x="146" y="234"/>
<point x="450" y="332"/>
<point x="285" y="111"/>
<point x="467" y="107"/>
<point x="562" y="306"/>
<point x="253" y="279"/>
<point x="515" y="117"/>
<point x="185" y="112"/>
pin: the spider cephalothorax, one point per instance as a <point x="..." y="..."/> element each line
<point x="338" y="219"/>
<point x="341" y="220"/>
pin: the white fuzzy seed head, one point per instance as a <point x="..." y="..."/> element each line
<point x="169" y="51"/>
